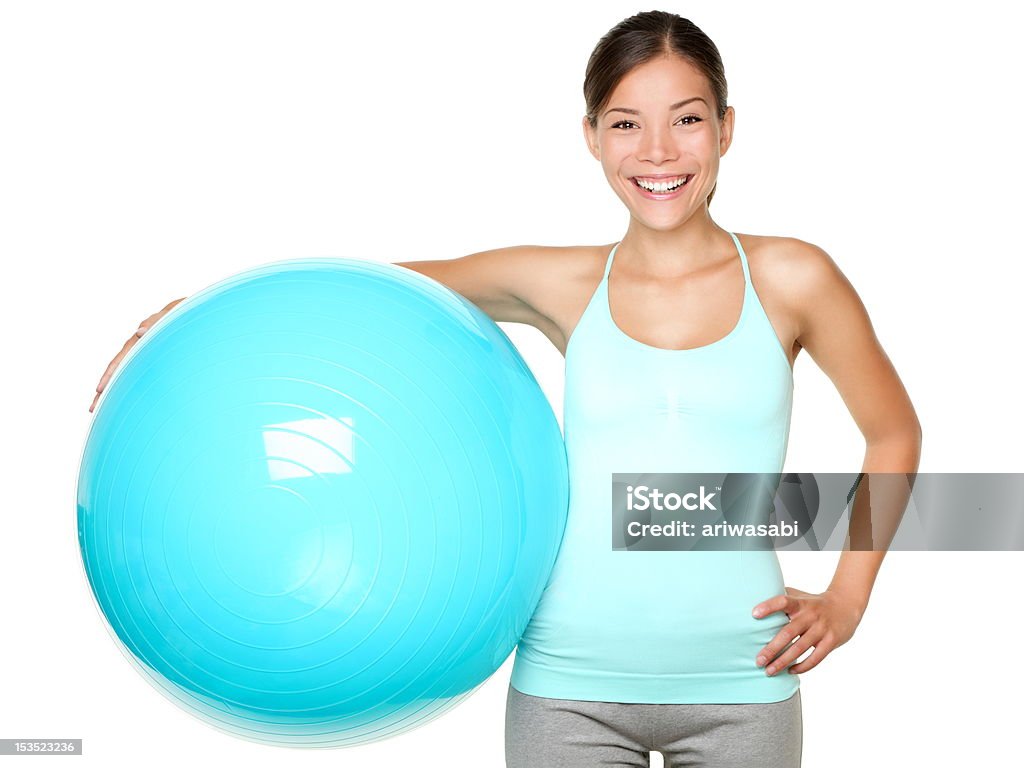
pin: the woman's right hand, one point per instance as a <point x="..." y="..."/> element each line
<point x="143" y="327"/>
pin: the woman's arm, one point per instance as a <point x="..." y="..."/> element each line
<point x="834" y="328"/>
<point x="504" y="282"/>
<point x="836" y="331"/>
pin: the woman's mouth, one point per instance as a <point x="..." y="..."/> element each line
<point x="664" y="188"/>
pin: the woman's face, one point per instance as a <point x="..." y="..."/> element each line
<point x="660" y="125"/>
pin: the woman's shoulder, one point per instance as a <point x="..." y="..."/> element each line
<point x="794" y="279"/>
<point x="787" y="263"/>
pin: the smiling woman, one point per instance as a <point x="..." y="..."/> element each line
<point x="679" y="342"/>
<point x="665" y="150"/>
<point x="715" y="396"/>
<point x="636" y="42"/>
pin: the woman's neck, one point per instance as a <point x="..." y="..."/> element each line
<point x="673" y="253"/>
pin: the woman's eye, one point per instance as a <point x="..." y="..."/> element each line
<point x="684" y="120"/>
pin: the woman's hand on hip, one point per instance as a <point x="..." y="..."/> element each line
<point x="824" y="621"/>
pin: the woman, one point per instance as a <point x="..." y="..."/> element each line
<point x="679" y="343"/>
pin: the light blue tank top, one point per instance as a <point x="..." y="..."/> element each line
<point x="654" y="626"/>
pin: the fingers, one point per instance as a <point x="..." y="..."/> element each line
<point x="777" y="603"/>
<point x="112" y="365"/>
<point x="782" y="639"/>
<point x="144" y="326"/>
<point x="821" y="650"/>
<point x="789" y="655"/>
<point x="803" y="631"/>
<point x="157" y="315"/>
<point x="822" y="642"/>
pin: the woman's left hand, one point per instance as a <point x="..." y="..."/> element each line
<point x="825" y="621"/>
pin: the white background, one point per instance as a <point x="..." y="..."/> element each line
<point x="151" y="149"/>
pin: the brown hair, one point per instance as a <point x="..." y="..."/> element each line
<point x="641" y="38"/>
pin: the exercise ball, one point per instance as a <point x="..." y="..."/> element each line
<point x="319" y="502"/>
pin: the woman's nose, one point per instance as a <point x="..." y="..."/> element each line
<point x="656" y="145"/>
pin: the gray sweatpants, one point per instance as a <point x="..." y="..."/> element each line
<point x="564" y="733"/>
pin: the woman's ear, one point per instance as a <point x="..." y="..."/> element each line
<point x="725" y="130"/>
<point x="591" y="138"/>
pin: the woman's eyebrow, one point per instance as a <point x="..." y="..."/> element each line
<point x="671" y="107"/>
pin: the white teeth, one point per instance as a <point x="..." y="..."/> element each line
<point x="661" y="186"/>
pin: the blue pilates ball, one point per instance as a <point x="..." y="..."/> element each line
<point x="319" y="502"/>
